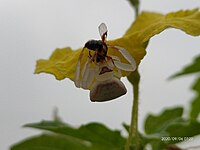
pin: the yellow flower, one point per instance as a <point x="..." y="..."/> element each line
<point x="62" y="63"/>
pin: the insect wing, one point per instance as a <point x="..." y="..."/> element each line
<point x="103" y="30"/>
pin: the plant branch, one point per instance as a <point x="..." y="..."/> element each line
<point x="134" y="79"/>
<point x="135" y="4"/>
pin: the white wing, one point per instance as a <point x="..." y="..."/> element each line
<point x="103" y="30"/>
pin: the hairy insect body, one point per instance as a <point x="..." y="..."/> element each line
<point x="99" y="47"/>
<point x="94" y="45"/>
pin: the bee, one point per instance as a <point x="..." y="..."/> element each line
<point x="98" y="72"/>
<point x="99" y="46"/>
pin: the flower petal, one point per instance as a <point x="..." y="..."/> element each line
<point x="149" y="24"/>
<point x="62" y="62"/>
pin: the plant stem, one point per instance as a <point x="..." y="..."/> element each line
<point x="135" y="4"/>
<point x="134" y="78"/>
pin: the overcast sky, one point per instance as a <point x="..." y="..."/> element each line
<point x="32" y="29"/>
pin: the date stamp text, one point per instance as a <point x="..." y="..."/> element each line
<point x="176" y="138"/>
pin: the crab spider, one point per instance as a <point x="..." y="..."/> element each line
<point x="98" y="72"/>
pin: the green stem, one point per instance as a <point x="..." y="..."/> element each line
<point x="135" y="4"/>
<point x="134" y="78"/>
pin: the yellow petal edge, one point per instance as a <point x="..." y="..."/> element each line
<point x="63" y="61"/>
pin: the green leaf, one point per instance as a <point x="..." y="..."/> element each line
<point x="126" y="127"/>
<point x="96" y="134"/>
<point x="184" y="129"/>
<point x="169" y="128"/>
<point x="193" y="68"/>
<point x="157" y="124"/>
<point x="52" y="142"/>
<point x="194" y="112"/>
<point x="190" y="69"/>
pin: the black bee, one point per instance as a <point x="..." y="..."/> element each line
<point x="98" y="73"/>
<point x="99" y="46"/>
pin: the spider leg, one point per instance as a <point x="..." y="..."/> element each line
<point x="87" y="75"/>
<point x="77" y="71"/>
<point x="77" y="75"/>
<point x="88" y="78"/>
<point x="123" y="66"/>
<point x="114" y="59"/>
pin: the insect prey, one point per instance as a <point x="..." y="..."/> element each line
<point x="98" y="74"/>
